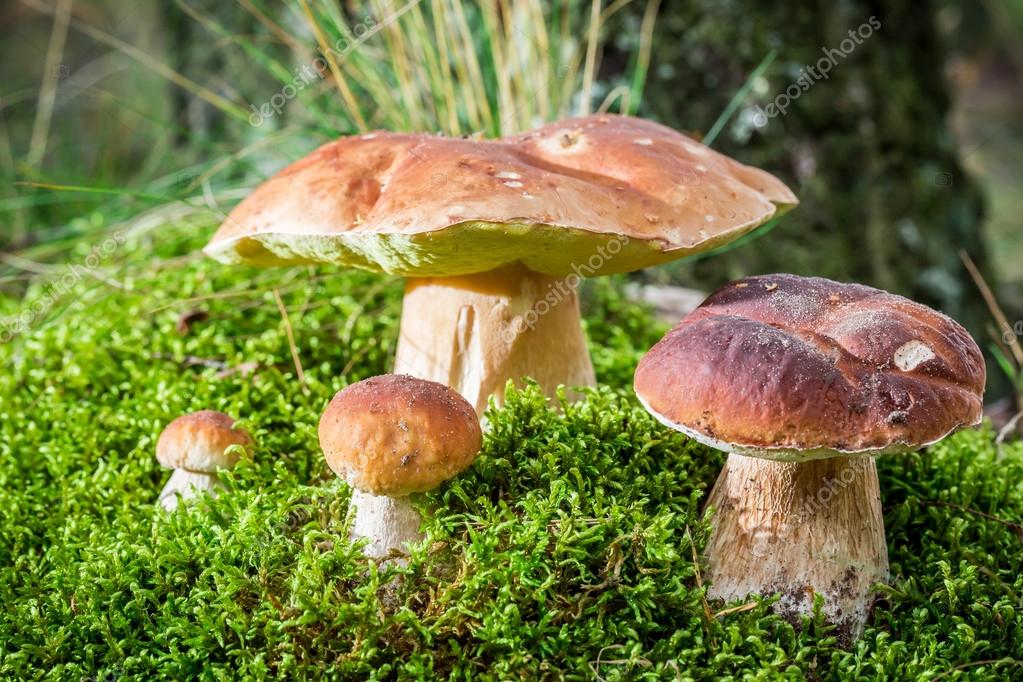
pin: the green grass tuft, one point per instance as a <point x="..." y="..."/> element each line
<point x="565" y="552"/>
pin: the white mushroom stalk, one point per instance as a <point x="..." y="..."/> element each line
<point x="390" y="524"/>
<point x="183" y="485"/>
<point x="196" y="446"/>
<point x="390" y="437"/>
<point x="474" y="332"/>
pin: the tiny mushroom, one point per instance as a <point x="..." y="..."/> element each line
<point x="391" y="436"/>
<point x="802" y="381"/>
<point x="196" y="445"/>
<point x="495" y="235"/>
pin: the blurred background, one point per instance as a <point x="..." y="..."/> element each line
<point x="897" y="123"/>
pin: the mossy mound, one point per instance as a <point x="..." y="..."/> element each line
<point x="567" y="551"/>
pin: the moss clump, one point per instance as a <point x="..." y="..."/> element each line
<point x="565" y="552"/>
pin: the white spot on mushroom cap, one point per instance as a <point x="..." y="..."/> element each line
<point x="912" y="354"/>
<point x="508" y="175"/>
<point x="645" y="141"/>
<point x="512" y="183"/>
<point x="565" y="142"/>
<point x="694" y="147"/>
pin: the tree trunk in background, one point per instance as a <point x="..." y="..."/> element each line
<point x="868" y="149"/>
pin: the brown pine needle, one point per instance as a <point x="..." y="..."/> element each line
<point x="996" y="310"/>
<point x="48" y="91"/>
<point x="708" y="614"/>
<point x="291" y="338"/>
<point x="741" y="608"/>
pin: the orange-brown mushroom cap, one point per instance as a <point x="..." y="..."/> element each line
<point x="798" y="368"/>
<point x="201" y="442"/>
<point x="395" y="435"/>
<point x="423" y="205"/>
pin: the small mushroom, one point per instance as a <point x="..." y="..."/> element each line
<point x="391" y="436"/>
<point x="803" y="381"/>
<point x="196" y="445"/>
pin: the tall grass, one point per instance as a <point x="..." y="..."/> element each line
<point x="457" y="67"/>
<point x="450" y="66"/>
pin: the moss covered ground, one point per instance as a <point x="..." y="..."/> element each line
<point x="566" y="552"/>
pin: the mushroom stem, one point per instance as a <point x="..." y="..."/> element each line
<point x="390" y="523"/>
<point x="184" y="484"/>
<point x="799" y="528"/>
<point x="474" y="332"/>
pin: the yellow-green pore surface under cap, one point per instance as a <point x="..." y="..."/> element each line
<point x="590" y="196"/>
<point x="467" y="248"/>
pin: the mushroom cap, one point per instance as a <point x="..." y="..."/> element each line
<point x="199" y="442"/>
<point x="395" y="435"/>
<point x="797" y="368"/>
<point x="552" y="198"/>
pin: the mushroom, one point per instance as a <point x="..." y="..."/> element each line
<point x="196" y="445"/>
<point x="803" y="381"/>
<point x="494" y="235"/>
<point x="391" y="436"/>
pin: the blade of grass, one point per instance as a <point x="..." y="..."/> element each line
<point x="590" y="69"/>
<point x="48" y="91"/>
<point x="474" y="82"/>
<point x="996" y="310"/>
<point x="328" y="53"/>
<point x="448" y="84"/>
<point x="738" y="98"/>
<point x="646" y="41"/>
<point x="149" y="62"/>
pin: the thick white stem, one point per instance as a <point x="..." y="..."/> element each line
<point x="184" y="485"/>
<point x="474" y="332"/>
<point x="389" y="523"/>
<point x="797" y="529"/>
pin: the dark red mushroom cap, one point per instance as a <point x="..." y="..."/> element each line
<point x="797" y="368"/>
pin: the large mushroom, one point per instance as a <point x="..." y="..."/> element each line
<point x="196" y="446"/>
<point x="494" y="235"/>
<point x="803" y="381"/>
<point x="391" y="436"/>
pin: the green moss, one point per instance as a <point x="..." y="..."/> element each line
<point x="566" y="551"/>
